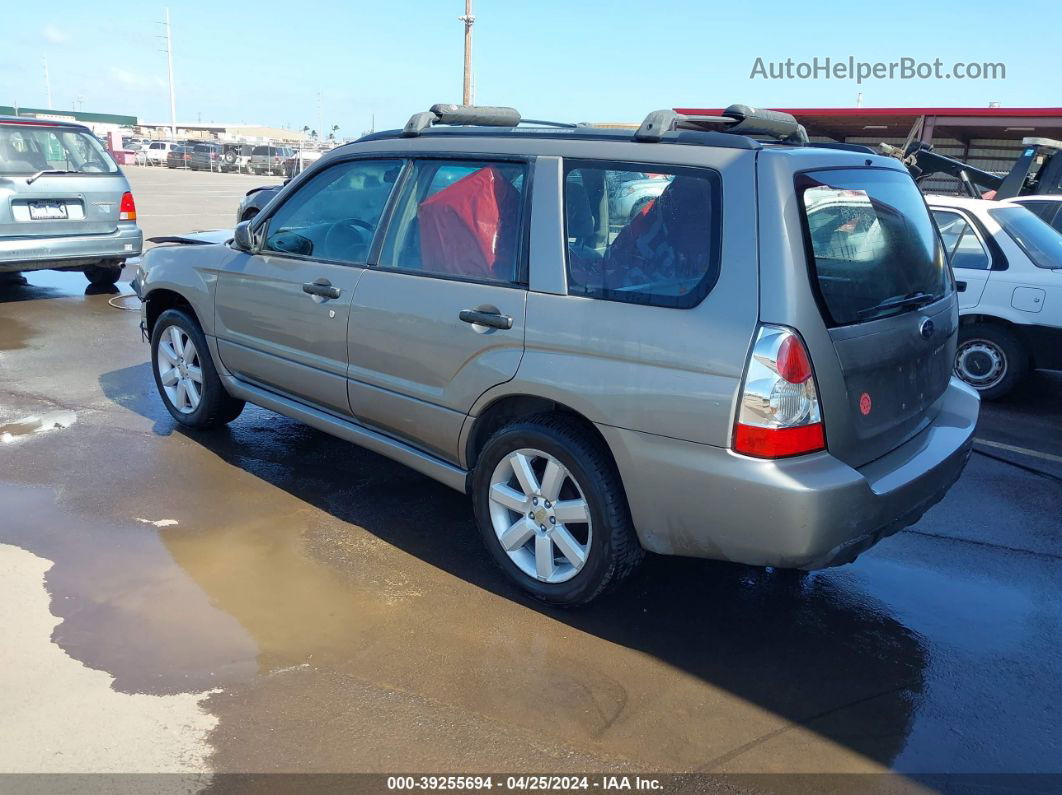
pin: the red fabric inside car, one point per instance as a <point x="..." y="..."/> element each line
<point x="667" y="241"/>
<point x="471" y="227"/>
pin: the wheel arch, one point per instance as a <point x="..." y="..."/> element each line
<point x="1019" y="330"/>
<point x="503" y="410"/>
<point x="158" y="301"/>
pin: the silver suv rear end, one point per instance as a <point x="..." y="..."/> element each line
<point x="64" y="203"/>
<point x="752" y="365"/>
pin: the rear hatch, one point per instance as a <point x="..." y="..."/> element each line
<point x="56" y="181"/>
<point x="886" y="294"/>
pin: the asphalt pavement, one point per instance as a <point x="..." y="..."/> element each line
<point x="269" y="598"/>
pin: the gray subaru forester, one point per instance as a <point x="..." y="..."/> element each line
<point x="755" y="366"/>
<point x="64" y="203"/>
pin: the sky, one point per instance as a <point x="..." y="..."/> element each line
<point x="353" y="64"/>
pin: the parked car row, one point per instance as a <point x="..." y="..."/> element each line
<point x="228" y="157"/>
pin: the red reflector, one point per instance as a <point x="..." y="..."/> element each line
<point x="778" y="442"/>
<point x="127" y="209"/>
<point x="793" y="364"/>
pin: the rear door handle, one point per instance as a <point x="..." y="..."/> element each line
<point x="492" y="319"/>
<point x="960" y="287"/>
<point x="322" y="288"/>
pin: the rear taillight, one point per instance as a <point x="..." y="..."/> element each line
<point x="779" y="414"/>
<point x="127" y="209"/>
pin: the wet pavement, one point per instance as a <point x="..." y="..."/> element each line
<point x="328" y="610"/>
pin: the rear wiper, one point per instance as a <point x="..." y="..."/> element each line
<point x="909" y="301"/>
<point x="39" y="174"/>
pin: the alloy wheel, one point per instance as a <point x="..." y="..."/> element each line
<point x="540" y="515"/>
<point x="179" y="369"/>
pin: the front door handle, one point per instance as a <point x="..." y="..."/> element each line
<point x="492" y="319"/>
<point x="322" y="288"/>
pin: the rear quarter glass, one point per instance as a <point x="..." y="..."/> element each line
<point x="869" y="240"/>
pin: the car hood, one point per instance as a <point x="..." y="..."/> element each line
<point x="204" y="238"/>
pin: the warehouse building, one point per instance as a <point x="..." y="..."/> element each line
<point x="987" y="138"/>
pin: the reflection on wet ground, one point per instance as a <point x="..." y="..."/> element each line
<point x="346" y="610"/>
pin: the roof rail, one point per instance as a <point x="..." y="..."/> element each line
<point x="740" y="120"/>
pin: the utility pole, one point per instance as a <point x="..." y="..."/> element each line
<point x="469" y="21"/>
<point x="169" y="65"/>
<point x="47" y="81"/>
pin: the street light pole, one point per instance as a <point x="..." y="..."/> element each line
<point x="169" y="64"/>
<point x="47" y="81"/>
<point x="469" y="21"/>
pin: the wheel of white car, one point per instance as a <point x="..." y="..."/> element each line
<point x="552" y="511"/>
<point x="991" y="359"/>
<point x="185" y="375"/>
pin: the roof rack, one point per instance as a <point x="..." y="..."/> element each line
<point x="739" y="120"/>
<point x="472" y="115"/>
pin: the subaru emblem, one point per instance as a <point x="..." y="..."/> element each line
<point x="926" y="329"/>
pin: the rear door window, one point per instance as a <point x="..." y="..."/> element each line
<point x="641" y="234"/>
<point x="961" y="243"/>
<point x="873" y="249"/>
<point x="1041" y="243"/>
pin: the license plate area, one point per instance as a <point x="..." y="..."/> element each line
<point x="47" y="211"/>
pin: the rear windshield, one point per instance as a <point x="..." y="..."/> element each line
<point x="1041" y="243"/>
<point x="873" y="248"/>
<point x="29" y="148"/>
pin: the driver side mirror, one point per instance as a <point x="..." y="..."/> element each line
<point x="241" y="236"/>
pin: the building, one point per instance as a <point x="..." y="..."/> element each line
<point x="99" y="123"/>
<point x="987" y="138"/>
<point x="256" y="133"/>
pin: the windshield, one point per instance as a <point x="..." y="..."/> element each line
<point x="874" y="250"/>
<point x="1041" y="243"/>
<point x="30" y="148"/>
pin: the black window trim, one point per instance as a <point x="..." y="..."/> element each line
<point x="260" y="228"/>
<point x="1021" y="246"/>
<point x="711" y="276"/>
<point x="995" y="252"/>
<point x="522" y="255"/>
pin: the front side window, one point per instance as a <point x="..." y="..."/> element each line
<point x="1041" y="243"/>
<point x="874" y="250"/>
<point x="334" y="216"/>
<point x="462" y="219"/>
<point x="29" y="148"/>
<point x="961" y="243"/>
<point x="641" y="234"/>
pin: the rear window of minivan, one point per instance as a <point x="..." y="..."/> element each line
<point x="873" y="249"/>
<point x="26" y="148"/>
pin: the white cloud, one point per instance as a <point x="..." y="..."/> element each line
<point x="132" y="80"/>
<point x="54" y="35"/>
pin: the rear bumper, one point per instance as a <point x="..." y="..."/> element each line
<point x="808" y="512"/>
<point x="39" y="253"/>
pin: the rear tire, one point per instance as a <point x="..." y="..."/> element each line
<point x="103" y="275"/>
<point x="187" y="381"/>
<point x="551" y="551"/>
<point x="991" y="359"/>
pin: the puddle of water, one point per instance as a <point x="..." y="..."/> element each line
<point x="52" y="421"/>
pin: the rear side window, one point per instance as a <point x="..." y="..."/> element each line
<point x="873" y="250"/>
<point x="1041" y="243"/>
<point x="961" y="243"/>
<point x="641" y="234"/>
<point x="462" y="219"/>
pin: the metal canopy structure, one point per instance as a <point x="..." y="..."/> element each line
<point x="957" y="124"/>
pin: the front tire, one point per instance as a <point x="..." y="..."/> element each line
<point x="991" y="359"/>
<point x="552" y="511"/>
<point x="185" y="375"/>
<point x="103" y="275"/>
